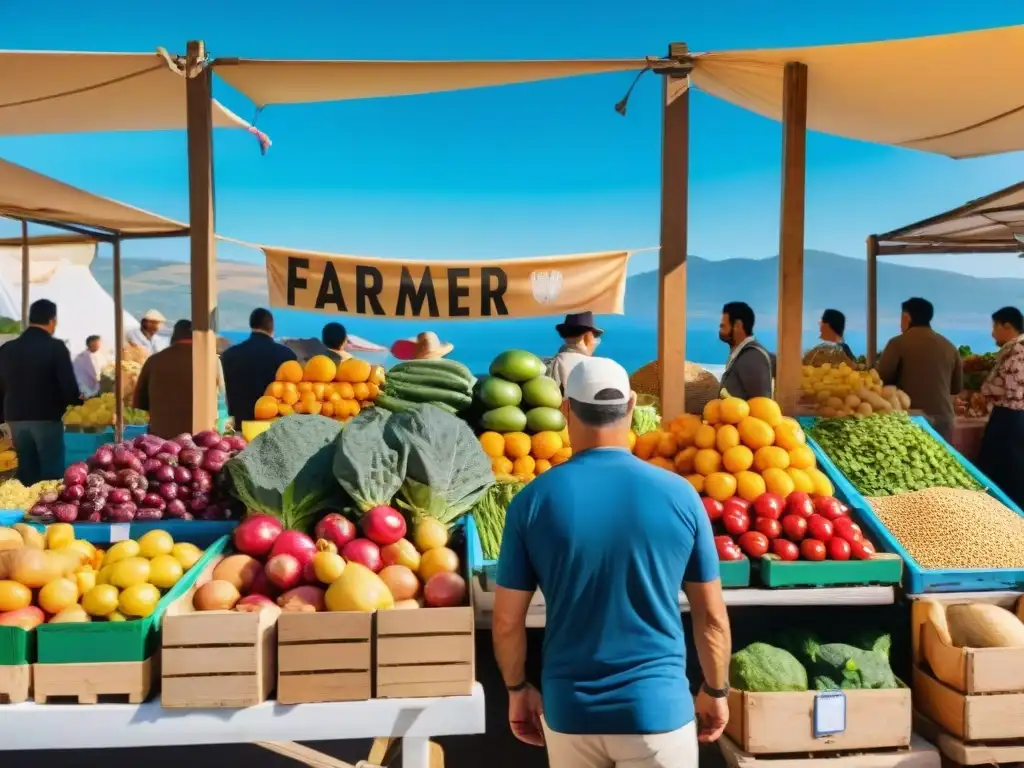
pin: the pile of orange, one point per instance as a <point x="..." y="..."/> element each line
<point x="525" y="456"/>
<point x="321" y="387"/>
<point x="739" y="448"/>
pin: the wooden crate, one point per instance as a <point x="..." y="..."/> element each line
<point x="15" y="683"/>
<point x="921" y="754"/>
<point x="324" y="657"/>
<point x="958" y="754"/>
<point x="217" y="659"/>
<point x="967" y="716"/>
<point x="93" y="683"/>
<point x="425" y="652"/>
<point x="783" y="723"/>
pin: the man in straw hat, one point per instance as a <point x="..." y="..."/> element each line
<point x="608" y="539"/>
<point x="145" y="336"/>
<point x="426" y="346"/>
<point x="580" y="338"/>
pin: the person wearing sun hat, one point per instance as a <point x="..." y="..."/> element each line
<point x="426" y="346"/>
<point x="580" y="338"/>
<point x="145" y="336"/>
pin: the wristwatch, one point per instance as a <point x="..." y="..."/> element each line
<point x="714" y="693"/>
<point x="518" y="687"/>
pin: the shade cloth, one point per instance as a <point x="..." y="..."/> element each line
<point x="269" y="81"/>
<point x="63" y="92"/>
<point x="960" y="95"/>
<point x="362" y="285"/>
<point x="25" y="194"/>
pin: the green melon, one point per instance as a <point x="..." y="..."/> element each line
<point x="542" y="392"/>
<point x="495" y="392"/>
<point x="508" y="418"/>
<point x="517" y="365"/>
<point x="545" y="420"/>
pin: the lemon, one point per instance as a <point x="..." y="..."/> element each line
<point x="85" y="580"/>
<point x="139" y="600"/>
<point x="100" y="600"/>
<point x="120" y="551"/>
<point x="116" y="616"/>
<point x="186" y="554"/>
<point x="85" y="547"/>
<point x="59" y="535"/>
<point x="164" y="571"/>
<point x="155" y="543"/>
<point x="129" y="572"/>
<point x="103" y="575"/>
<point x="57" y="595"/>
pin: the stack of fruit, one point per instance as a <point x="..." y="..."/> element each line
<point x="97" y="412"/>
<point x="448" y="384"/>
<point x="518" y="397"/>
<point x="740" y="448"/>
<point x="841" y="390"/>
<point x="8" y="457"/>
<point x="340" y="571"/>
<point x="518" y="455"/>
<point x="53" y="577"/>
<point x="335" y="391"/>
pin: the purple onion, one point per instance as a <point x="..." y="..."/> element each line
<point x="182" y="475"/>
<point x="153" y="501"/>
<point x="169" y="459"/>
<point x="237" y="442"/>
<point x="72" y="493"/>
<point x="138" y="441"/>
<point x="119" y="496"/>
<point x="138" y="495"/>
<point x="191" y="457"/>
<point x="65" y="513"/>
<point x="122" y="457"/>
<point x="150" y="466"/>
<point x="206" y="439"/>
<point x="128" y="478"/>
<point x="199" y="503"/>
<point x="120" y="513"/>
<point x="211" y="512"/>
<point x="168" y="491"/>
<point x="40" y="510"/>
<point x="94" y="517"/>
<point x="165" y="474"/>
<point x="202" y="481"/>
<point x="149" y="513"/>
<point x="104" y="457"/>
<point x="176" y="508"/>
<point x="90" y="506"/>
<point x="76" y="474"/>
<point x="94" y="494"/>
<point x="187" y="516"/>
<point x="171" y="447"/>
<point x="95" y="480"/>
<point x="214" y="460"/>
<point x="109" y="476"/>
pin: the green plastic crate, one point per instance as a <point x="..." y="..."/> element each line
<point x="17" y="646"/>
<point x="734" y="573"/>
<point x="109" y="641"/>
<point x="883" y="569"/>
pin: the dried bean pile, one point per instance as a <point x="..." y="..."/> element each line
<point x="954" y="528"/>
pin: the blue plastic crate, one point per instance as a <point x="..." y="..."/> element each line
<point x="199" y="532"/>
<point x="918" y="580"/>
<point x="475" y="553"/>
<point x="9" y="517"/>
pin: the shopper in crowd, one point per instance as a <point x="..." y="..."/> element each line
<point x="426" y="346"/>
<point x="924" y="364"/>
<point x="89" y="364"/>
<point x="164" y="387"/>
<point x="608" y="539"/>
<point x="37" y="384"/>
<point x="1001" y="457"/>
<point x="146" y="337"/>
<point x="580" y="339"/>
<point x="750" y="368"/>
<point x="831" y="329"/>
<point x="334" y="338"/>
<point x="251" y="365"/>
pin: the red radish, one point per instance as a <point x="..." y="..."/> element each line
<point x="256" y="534"/>
<point x="735" y="504"/>
<point x="714" y="508"/>
<point x="799" y="503"/>
<point x="254" y="604"/>
<point x="838" y="549"/>
<point x="304" y="599"/>
<point x="364" y="552"/>
<point x="785" y="550"/>
<point x="383" y="525"/>
<point x="828" y="507"/>
<point x="769" y="505"/>
<point x="812" y="549"/>
<point x="296" y="544"/>
<point x="819" y="528"/>
<point x="770" y="528"/>
<point x="794" y="527"/>
<point x="736" y="523"/>
<point x="284" y="571"/>
<point x="335" y="528"/>
<point x="754" y="544"/>
<point x="444" y="590"/>
<point x="862" y="549"/>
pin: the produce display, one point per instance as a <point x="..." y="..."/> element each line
<point x="99" y="412"/>
<point x="516" y="396"/>
<point x="842" y="390"/>
<point x="14" y="495"/>
<point x="523" y="456"/>
<point x="321" y="388"/>
<point x="887" y="454"/>
<point x="645" y="416"/>
<point x="970" y="402"/>
<point x="953" y="528"/>
<point x="147" y="478"/>
<point x="800" y="661"/>
<point x="8" y="457"/>
<point x="131" y="367"/>
<point x="827" y="353"/>
<point x="489" y="515"/>
<point x="52" y="577"/>
<point x="445" y="383"/>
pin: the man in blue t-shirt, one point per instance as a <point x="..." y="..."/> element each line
<point x="608" y="539"/>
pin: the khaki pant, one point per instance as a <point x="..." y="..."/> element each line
<point x="676" y="749"/>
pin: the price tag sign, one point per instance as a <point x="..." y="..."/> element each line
<point x="829" y="713"/>
<point x="119" y="532"/>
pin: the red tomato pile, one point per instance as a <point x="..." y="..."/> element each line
<point x="799" y="527"/>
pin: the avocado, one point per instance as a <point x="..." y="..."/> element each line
<point x="545" y="420"/>
<point x="542" y="392"/>
<point x="517" y="365"/>
<point x="495" y="392"/>
<point x="505" y="419"/>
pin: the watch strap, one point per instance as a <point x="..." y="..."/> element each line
<point x="518" y="687"/>
<point x="714" y="693"/>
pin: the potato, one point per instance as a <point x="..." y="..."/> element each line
<point x="851" y="402"/>
<point x="835" y="403"/>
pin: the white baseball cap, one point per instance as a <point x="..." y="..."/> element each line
<point x="596" y="376"/>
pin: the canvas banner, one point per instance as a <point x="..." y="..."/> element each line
<point x="449" y="290"/>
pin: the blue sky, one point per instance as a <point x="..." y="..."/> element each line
<point x="515" y="171"/>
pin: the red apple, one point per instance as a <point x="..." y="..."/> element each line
<point x="769" y="505"/>
<point x="828" y="507"/>
<point x="713" y="508"/>
<point x="799" y="503"/>
<point x="284" y="571"/>
<point x="838" y="549"/>
<point x="770" y="528"/>
<point x="785" y="550"/>
<point x="819" y="528"/>
<point x="794" y="527"/>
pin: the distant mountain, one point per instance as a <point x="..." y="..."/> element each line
<point x="830" y="280"/>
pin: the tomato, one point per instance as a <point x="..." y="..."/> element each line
<point x="713" y="508"/>
<point x="736" y="504"/>
<point x="769" y="505"/>
<point x="799" y="503"/>
<point x="828" y="507"/>
<point x="770" y="528"/>
<point x="819" y="528"/>
<point x="736" y="523"/>
<point x="727" y="549"/>
<point x="785" y="550"/>
<point x="812" y="549"/>
<point x="845" y="528"/>
<point x="794" y="527"/>
<point x="862" y="549"/>
<point x="838" y="549"/>
<point x="754" y="543"/>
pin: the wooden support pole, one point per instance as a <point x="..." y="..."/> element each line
<point x="791" y="236"/>
<point x="203" y="262"/>
<point x="118" y="345"/>
<point x="26" y="274"/>
<point x="675" y="158"/>
<point x="872" y="319"/>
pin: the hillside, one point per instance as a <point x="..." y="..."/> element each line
<point x="830" y="281"/>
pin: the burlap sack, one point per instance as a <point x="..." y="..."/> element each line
<point x="701" y="385"/>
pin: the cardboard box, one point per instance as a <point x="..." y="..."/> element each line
<point x="969" y="717"/>
<point x="425" y="652"/>
<point x="324" y="657"/>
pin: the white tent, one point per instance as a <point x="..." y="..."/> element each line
<point x="59" y="271"/>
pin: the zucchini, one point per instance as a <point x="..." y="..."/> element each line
<point x="439" y="379"/>
<point x="393" y="404"/>
<point x="422" y="366"/>
<point x="421" y="394"/>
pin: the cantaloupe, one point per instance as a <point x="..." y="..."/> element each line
<point x="983" y="625"/>
<point x="937" y="617"/>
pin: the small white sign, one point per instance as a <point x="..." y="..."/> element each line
<point x="119" y="532"/>
<point x="829" y="713"/>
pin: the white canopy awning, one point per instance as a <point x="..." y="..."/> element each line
<point x="960" y="95"/>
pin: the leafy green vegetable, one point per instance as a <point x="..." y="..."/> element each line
<point x="286" y="471"/>
<point x="873" y="640"/>
<point x="370" y="470"/>
<point x="764" y="668"/>
<point x="886" y="454"/>
<point x="489" y="514"/>
<point x="854" y="668"/>
<point x="9" y="326"/>
<point x="645" y="419"/>
<point x="822" y="683"/>
<point x="802" y="643"/>
<point x="446" y="469"/>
